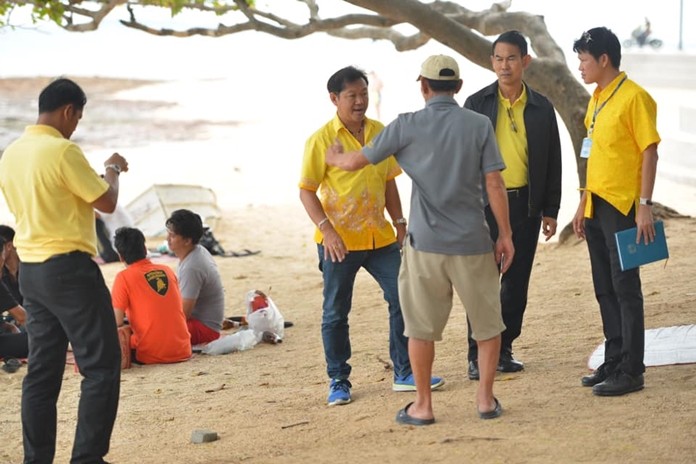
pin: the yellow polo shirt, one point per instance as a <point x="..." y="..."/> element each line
<point x="49" y="187"/>
<point x="624" y="128"/>
<point x="511" y="135"/>
<point x="354" y="202"/>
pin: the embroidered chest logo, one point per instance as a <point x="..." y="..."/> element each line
<point x="158" y="281"/>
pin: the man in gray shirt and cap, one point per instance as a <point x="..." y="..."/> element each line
<point x="451" y="155"/>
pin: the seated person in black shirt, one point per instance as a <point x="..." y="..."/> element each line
<point x="13" y="342"/>
<point x="9" y="272"/>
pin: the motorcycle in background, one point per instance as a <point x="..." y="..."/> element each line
<point x="633" y="42"/>
<point x="641" y="37"/>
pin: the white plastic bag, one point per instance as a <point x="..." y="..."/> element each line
<point x="238" y="341"/>
<point x="263" y="315"/>
<point x="265" y="323"/>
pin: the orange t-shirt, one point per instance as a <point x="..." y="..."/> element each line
<point x="149" y="295"/>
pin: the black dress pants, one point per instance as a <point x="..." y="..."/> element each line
<point x="618" y="292"/>
<point x="514" y="285"/>
<point x="67" y="300"/>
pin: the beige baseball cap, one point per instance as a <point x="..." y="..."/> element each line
<point x="440" y="68"/>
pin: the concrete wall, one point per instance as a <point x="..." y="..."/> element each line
<point x="654" y="68"/>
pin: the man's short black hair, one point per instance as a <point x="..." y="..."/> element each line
<point x="597" y="42"/>
<point x="187" y="224"/>
<point x="7" y="233"/>
<point x="441" y="86"/>
<point x="512" y="38"/>
<point x="338" y="81"/>
<point x="61" y="92"/>
<point x="130" y="244"/>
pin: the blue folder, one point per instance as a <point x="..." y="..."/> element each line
<point x="632" y="254"/>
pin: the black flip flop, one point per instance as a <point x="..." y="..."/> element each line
<point x="495" y="412"/>
<point x="402" y="417"/>
<point x="11" y="365"/>
<point x="241" y="254"/>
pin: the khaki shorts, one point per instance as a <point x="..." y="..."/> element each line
<point x="426" y="282"/>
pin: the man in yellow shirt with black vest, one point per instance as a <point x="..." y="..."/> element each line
<point x="527" y="134"/>
<point x="52" y="191"/>
<point x="621" y="147"/>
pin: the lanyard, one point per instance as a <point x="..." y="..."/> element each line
<point x="597" y="110"/>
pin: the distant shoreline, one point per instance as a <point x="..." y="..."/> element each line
<point x="19" y="88"/>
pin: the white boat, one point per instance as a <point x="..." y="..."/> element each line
<point x="151" y="209"/>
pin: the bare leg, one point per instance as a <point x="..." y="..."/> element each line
<point x="422" y="355"/>
<point x="488" y="354"/>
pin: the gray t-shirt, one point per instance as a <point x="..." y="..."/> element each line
<point x="446" y="150"/>
<point x="199" y="280"/>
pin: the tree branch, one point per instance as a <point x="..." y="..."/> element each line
<point x="270" y="23"/>
<point x="96" y="17"/>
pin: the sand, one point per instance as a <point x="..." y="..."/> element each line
<point x="268" y="404"/>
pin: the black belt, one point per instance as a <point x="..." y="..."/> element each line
<point x="517" y="192"/>
<point x="70" y="253"/>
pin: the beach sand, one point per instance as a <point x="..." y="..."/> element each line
<point x="268" y="404"/>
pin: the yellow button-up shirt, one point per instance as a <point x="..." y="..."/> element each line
<point x="354" y="202"/>
<point x="623" y="129"/>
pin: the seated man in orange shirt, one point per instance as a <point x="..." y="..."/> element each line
<point x="148" y="294"/>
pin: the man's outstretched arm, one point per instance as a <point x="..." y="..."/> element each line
<point x="351" y="161"/>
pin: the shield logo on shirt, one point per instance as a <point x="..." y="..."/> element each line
<point x="158" y="281"/>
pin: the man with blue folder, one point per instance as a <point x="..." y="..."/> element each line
<point x="621" y="147"/>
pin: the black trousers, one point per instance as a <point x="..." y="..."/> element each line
<point x="618" y="292"/>
<point x="67" y="300"/>
<point x="514" y="285"/>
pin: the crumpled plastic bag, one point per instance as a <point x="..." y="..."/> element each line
<point x="238" y="341"/>
<point x="263" y="315"/>
<point x="265" y="322"/>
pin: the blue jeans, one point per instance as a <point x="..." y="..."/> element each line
<point x="382" y="264"/>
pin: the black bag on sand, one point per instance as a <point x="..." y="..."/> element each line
<point x="210" y="243"/>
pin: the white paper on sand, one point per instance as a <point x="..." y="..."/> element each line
<point x="663" y="346"/>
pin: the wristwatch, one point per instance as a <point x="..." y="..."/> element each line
<point x="646" y="201"/>
<point x="115" y="167"/>
<point x="400" y="221"/>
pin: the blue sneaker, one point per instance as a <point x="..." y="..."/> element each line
<point x="408" y="384"/>
<point x="339" y="392"/>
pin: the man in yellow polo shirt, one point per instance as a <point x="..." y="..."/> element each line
<point x="352" y="231"/>
<point x="621" y="147"/>
<point x="52" y="191"/>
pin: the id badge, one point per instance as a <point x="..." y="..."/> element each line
<point x="586" y="147"/>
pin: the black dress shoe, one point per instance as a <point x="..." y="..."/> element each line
<point x="473" y="370"/>
<point x="600" y="375"/>
<point x="507" y="363"/>
<point x="619" y="383"/>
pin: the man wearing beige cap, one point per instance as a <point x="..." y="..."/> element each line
<point x="451" y="154"/>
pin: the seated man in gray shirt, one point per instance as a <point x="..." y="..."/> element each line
<point x="199" y="280"/>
